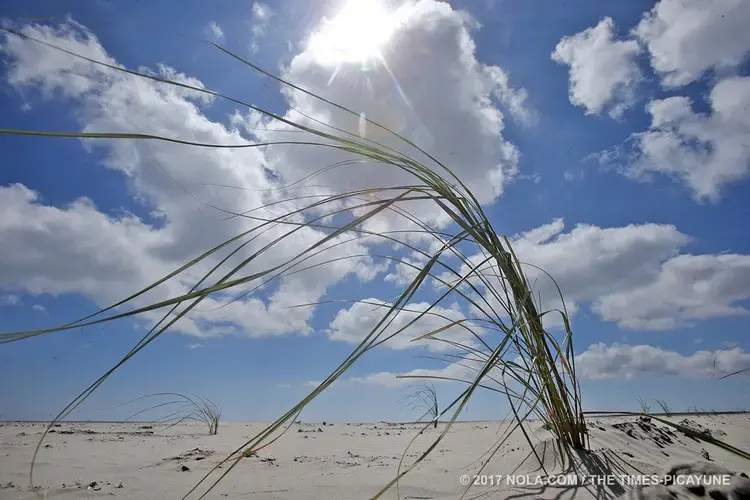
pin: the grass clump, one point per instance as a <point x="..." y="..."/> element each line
<point x="665" y="409"/>
<point x="181" y="408"/>
<point x="424" y="399"/>
<point x="645" y="407"/>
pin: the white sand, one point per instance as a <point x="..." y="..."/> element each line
<point x="344" y="461"/>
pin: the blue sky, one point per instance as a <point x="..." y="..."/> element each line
<point x="610" y="140"/>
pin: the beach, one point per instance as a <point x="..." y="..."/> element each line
<point x="353" y="460"/>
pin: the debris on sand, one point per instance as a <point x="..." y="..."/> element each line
<point x="195" y="453"/>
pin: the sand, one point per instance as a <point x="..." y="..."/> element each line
<point x="350" y="461"/>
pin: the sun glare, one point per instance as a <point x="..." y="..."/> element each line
<point x="356" y="34"/>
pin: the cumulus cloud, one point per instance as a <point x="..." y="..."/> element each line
<point x="401" y="91"/>
<point x="703" y="151"/>
<point x="37" y="238"/>
<point x="127" y="253"/>
<point x="686" y="38"/>
<point x="353" y="324"/>
<point x="603" y="70"/>
<point x="623" y="361"/>
<point x="687" y="288"/>
<point x="633" y="275"/>
<point x="108" y="257"/>
<point x="588" y="262"/>
<point x="52" y="70"/>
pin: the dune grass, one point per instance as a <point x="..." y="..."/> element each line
<point x="180" y="408"/>
<point x="665" y="409"/>
<point x="511" y="353"/>
<point x="424" y="399"/>
<point x="531" y="368"/>
<point x="645" y="407"/>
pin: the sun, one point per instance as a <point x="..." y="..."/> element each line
<point x="356" y="33"/>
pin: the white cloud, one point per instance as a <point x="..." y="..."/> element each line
<point x="406" y="271"/>
<point x="633" y="275"/>
<point x="352" y="325"/>
<point x="35" y="248"/>
<point x="55" y="71"/>
<point x="686" y="38"/>
<point x="705" y="152"/>
<point x="622" y="361"/>
<point x="599" y="362"/>
<point x="39" y="308"/>
<point x="128" y="253"/>
<point x="194" y="346"/>
<point x="588" y="262"/>
<point x="515" y="99"/>
<point x="106" y="258"/>
<point x="261" y="15"/>
<point x="687" y="288"/>
<point x="390" y="379"/>
<point x="465" y="130"/>
<point x="603" y="71"/>
<point x="215" y="31"/>
<point x="9" y="299"/>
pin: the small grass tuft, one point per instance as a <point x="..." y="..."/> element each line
<point x="424" y="399"/>
<point x="664" y="407"/>
<point x="181" y="408"/>
<point x="645" y="407"/>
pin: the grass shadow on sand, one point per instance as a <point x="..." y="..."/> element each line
<point x="591" y="470"/>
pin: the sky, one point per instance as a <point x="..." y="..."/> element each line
<point x="609" y="140"/>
